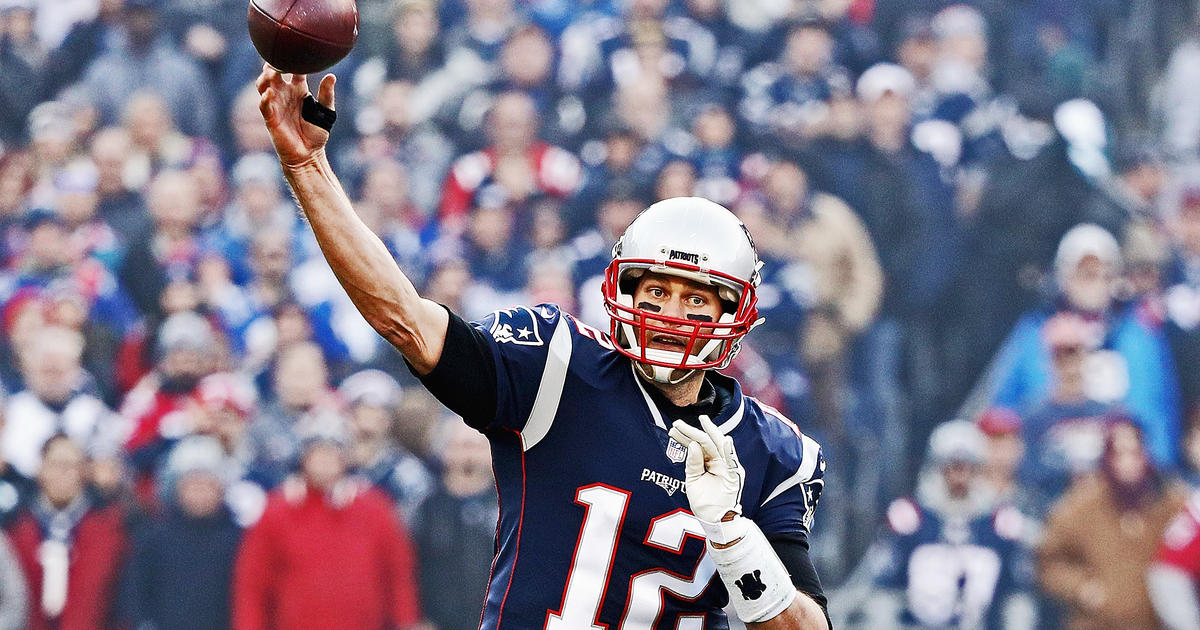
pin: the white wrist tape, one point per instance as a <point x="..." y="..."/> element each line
<point x="759" y="586"/>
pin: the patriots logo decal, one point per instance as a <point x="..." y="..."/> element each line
<point x="516" y="325"/>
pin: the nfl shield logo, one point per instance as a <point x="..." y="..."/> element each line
<point x="675" y="451"/>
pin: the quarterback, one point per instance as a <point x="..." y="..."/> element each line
<point x="639" y="488"/>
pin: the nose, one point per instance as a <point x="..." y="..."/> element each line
<point x="674" y="307"/>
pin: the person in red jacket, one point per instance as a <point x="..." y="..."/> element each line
<point x="328" y="553"/>
<point x="70" y="549"/>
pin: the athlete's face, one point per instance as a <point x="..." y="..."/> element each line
<point x="673" y="296"/>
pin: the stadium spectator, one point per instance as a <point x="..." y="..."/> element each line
<point x="71" y="550"/>
<point x="14" y="594"/>
<point x="494" y="248"/>
<point x="619" y="164"/>
<point x="1132" y="196"/>
<point x="1102" y="536"/>
<point x="300" y="395"/>
<point x="415" y="48"/>
<point x="1129" y="358"/>
<point x="147" y="58"/>
<point x="1065" y="432"/>
<point x="390" y="130"/>
<point x="1035" y="193"/>
<point x="158" y="407"/>
<point x="454" y="535"/>
<point x="257" y="206"/>
<point x="908" y="209"/>
<point x="284" y="577"/>
<point x="484" y="28"/>
<point x="48" y="269"/>
<point x="717" y="157"/>
<point x="57" y="399"/>
<point x="787" y="99"/>
<point x="954" y="553"/>
<point x="224" y="406"/>
<point x="181" y="567"/>
<point x="517" y="163"/>
<point x="525" y="63"/>
<point x="170" y="250"/>
<point x="643" y="46"/>
<point x="373" y="398"/>
<point x="158" y="143"/>
<point x="24" y="57"/>
<point x="119" y="203"/>
<point x="1005" y="452"/>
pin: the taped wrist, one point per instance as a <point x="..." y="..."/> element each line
<point x="317" y="114"/>
<point x="759" y="585"/>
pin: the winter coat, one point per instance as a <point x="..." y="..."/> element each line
<point x="847" y="277"/>
<point x="1089" y="538"/>
<point x="456" y="540"/>
<point x="97" y="552"/>
<point x="319" y="561"/>
<point x="181" y="573"/>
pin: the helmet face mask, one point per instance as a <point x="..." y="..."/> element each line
<point x="697" y="240"/>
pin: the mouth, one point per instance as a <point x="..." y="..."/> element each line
<point x="664" y="341"/>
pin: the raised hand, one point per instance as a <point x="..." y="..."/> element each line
<point x="280" y="99"/>
<point x="714" y="475"/>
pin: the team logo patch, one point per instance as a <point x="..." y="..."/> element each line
<point x="676" y="452"/>
<point x="751" y="585"/>
<point x="516" y="325"/>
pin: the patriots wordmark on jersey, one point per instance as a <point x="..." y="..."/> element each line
<point x="595" y="530"/>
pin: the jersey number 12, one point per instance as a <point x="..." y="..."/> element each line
<point x="594" y="553"/>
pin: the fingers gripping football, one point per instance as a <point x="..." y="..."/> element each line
<point x="714" y="475"/>
<point x="281" y="99"/>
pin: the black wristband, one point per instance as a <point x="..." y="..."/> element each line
<point x="317" y="114"/>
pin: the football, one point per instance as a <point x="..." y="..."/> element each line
<point x="303" y="36"/>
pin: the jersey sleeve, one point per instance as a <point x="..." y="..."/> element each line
<point x="1180" y="545"/>
<point x="794" y="479"/>
<point x="519" y="355"/>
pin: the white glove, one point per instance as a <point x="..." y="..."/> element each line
<point x="714" y="475"/>
<point x="759" y="585"/>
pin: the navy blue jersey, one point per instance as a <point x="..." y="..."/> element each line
<point x="595" y="529"/>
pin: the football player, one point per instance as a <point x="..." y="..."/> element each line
<point x="638" y="487"/>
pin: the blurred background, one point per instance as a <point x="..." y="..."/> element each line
<point x="981" y="224"/>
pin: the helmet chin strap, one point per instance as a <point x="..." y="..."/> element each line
<point x="664" y="375"/>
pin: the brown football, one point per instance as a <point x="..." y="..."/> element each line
<point x="303" y="36"/>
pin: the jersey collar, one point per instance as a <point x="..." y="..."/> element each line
<point x="726" y="420"/>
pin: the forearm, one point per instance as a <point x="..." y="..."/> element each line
<point x="803" y="614"/>
<point x="364" y="267"/>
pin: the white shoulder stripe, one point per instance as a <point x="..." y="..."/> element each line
<point x="654" y="412"/>
<point x="808" y="466"/>
<point x="550" y="389"/>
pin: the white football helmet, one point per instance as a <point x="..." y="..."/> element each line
<point x="691" y="238"/>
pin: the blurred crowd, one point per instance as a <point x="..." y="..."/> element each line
<point x="981" y="228"/>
